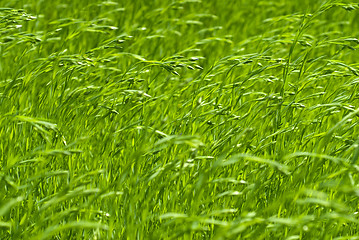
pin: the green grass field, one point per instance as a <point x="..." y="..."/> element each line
<point x="179" y="119"/>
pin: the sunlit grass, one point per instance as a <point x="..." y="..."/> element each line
<point x="179" y="119"/>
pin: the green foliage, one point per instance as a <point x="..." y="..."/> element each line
<point x="181" y="119"/>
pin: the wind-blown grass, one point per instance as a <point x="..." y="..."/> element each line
<point x="179" y="119"/>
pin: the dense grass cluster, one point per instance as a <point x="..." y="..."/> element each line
<point x="179" y="119"/>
